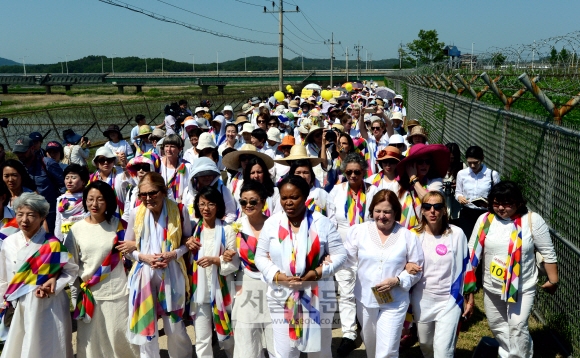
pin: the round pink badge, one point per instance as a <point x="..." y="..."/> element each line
<point x="441" y="249"/>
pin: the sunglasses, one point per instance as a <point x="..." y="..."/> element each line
<point x="272" y="124"/>
<point x="103" y="160"/>
<point x="390" y="162"/>
<point x="150" y="194"/>
<point x="245" y="203"/>
<point x="351" y="172"/>
<point x="143" y="167"/>
<point x="427" y="207"/>
<point x="260" y="122"/>
<point x="423" y="161"/>
<point x="376" y="128"/>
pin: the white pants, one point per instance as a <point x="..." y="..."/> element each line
<point x="252" y="338"/>
<point x="203" y="325"/>
<point x="381" y="328"/>
<point x="345" y="279"/>
<point x="178" y="342"/>
<point x="509" y="323"/>
<point x="282" y="344"/>
<point x="438" y="338"/>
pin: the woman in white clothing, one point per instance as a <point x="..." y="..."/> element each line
<point x="158" y="280"/>
<point x="504" y="243"/>
<point x="69" y="206"/>
<point x="237" y="161"/>
<point x="257" y="170"/>
<point x="211" y="275"/>
<point x="253" y="324"/>
<point x="137" y="168"/>
<point x="117" y="144"/>
<point x="100" y="295"/>
<point x="379" y="250"/>
<point x="318" y="199"/>
<point x="290" y="251"/>
<point x="8" y="223"/>
<point x="174" y="170"/>
<point x="351" y="202"/>
<point x="231" y="138"/>
<point x="41" y="324"/>
<point x="437" y="298"/>
<point x="388" y="159"/>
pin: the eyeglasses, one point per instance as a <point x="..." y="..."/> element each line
<point x="505" y="205"/>
<point x="151" y="194"/>
<point x="208" y="205"/>
<point x="272" y="124"/>
<point x="351" y="172"/>
<point x="143" y="167"/>
<point x="427" y="207"/>
<point x="376" y="128"/>
<point x="245" y="203"/>
<point x="390" y="162"/>
<point x="260" y="121"/>
<point x="245" y="158"/>
<point x="103" y="160"/>
<point x="423" y="161"/>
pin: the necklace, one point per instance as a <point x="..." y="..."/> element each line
<point x="295" y="223"/>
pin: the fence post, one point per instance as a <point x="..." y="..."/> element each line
<point x="95" y="118"/>
<point x="123" y="108"/>
<point x="53" y="124"/>
<point x="491" y="84"/>
<point x="147" y="105"/>
<point x="466" y="85"/>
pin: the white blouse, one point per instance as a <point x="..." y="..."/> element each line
<point x="472" y="186"/>
<point x="376" y="261"/>
<point x="497" y="243"/>
<point x="338" y="196"/>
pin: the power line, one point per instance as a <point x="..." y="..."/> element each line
<point x="295" y="42"/>
<point x="181" y="23"/>
<point x="212" y="19"/>
<point x="297" y="28"/>
<point x="248" y="3"/>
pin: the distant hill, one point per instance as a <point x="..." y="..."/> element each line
<point x="96" y="64"/>
<point x="7" y="62"/>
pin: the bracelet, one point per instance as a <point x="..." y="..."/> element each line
<point x="412" y="179"/>
<point x="276" y="278"/>
<point x="554" y="283"/>
<point x="317" y="275"/>
<point x="398" y="281"/>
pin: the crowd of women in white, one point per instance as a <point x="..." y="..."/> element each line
<point x="248" y="235"/>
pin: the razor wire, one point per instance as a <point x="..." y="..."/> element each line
<point x="542" y="157"/>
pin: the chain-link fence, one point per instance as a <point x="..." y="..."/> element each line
<point x="543" y="157"/>
<point x="81" y="118"/>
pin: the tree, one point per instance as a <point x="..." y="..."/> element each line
<point x="498" y="59"/>
<point x="553" y="56"/>
<point x="427" y="48"/>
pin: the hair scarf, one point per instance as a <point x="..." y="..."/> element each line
<point x="37" y="269"/>
<point x="511" y="278"/>
<point x="173" y="288"/>
<point x="85" y="307"/>
<point x="111" y="181"/>
<point x="177" y="180"/>
<point x="300" y="255"/>
<point x="220" y="297"/>
<point x="355" y="205"/>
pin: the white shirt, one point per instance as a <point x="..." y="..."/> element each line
<point x="338" y="197"/>
<point x="169" y="123"/>
<point x="225" y="145"/>
<point x="497" y="243"/>
<point x="383" y="184"/>
<point x="77" y="154"/>
<point x="376" y="261"/>
<point x="472" y="186"/>
<point x="190" y="155"/>
<point x="120" y="147"/>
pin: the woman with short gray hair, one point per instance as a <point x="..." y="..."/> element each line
<point x="37" y="312"/>
<point x="351" y="200"/>
<point x="174" y="169"/>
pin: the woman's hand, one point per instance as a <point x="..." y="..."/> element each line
<point x="46" y="289"/>
<point x="387" y="284"/>
<point x="156" y="261"/>
<point x="411" y="169"/>
<point x="228" y="255"/>
<point x="126" y="247"/>
<point x="207" y="261"/>
<point x="327" y="261"/>
<point x="192" y="244"/>
<point x="168" y="256"/>
<point x="462" y="200"/>
<point x="412" y="268"/>
<point x="469" y="306"/>
<point x="549" y="287"/>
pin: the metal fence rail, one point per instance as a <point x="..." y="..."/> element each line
<point x="544" y="158"/>
<point x="81" y="118"/>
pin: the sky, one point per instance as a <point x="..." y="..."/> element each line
<point x="51" y="31"/>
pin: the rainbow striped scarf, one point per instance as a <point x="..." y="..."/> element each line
<point x="354" y="208"/>
<point x="246" y="245"/>
<point x="361" y="146"/>
<point x="235" y="180"/>
<point x="9" y="227"/>
<point x="377" y="178"/>
<point x="220" y="297"/>
<point x="411" y="206"/>
<point x="312" y="206"/>
<point x="304" y="256"/>
<point x="85" y="307"/>
<point x="176" y="183"/>
<point x="511" y="279"/>
<point x="266" y="208"/>
<point x="111" y="181"/>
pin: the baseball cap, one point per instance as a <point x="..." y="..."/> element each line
<point x="22" y="145"/>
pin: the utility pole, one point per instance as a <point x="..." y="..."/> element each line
<point x="192" y="62"/>
<point x="162" y="55"/>
<point x="367" y="60"/>
<point x="302" y="61"/>
<point x="66" y="57"/>
<point x="217" y="64"/>
<point x="23" y="64"/>
<point x="401" y="55"/>
<point x="145" y="63"/>
<point x="471" y="62"/>
<point x="347" y="64"/>
<point x="331" y="42"/>
<point x="357" y="49"/>
<point x="102" y="65"/>
<point x="245" y="67"/>
<point x="280" y="12"/>
<point x="112" y="64"/>
<point x="61" y="65"/>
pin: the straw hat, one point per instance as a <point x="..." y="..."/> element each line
<point x="412" y="123"/>
<point x="205" y="141"/>
<point x="416" y="131"/>
<point x="232" y="160"/>
<point x="302" y="130"/>
<point x="439" y="155"/>
<point x="397" y="115"/>
<point x="293" y="104"/>
<point x="145" y="130"/>
<point x="287" y="141"/>
<point x="298" y="152"/>
<point x="313" y="129"/>
<point x="241" y="118"/>
<point x="247" y="108"/>
<point x="274" y="135"/>
<point x="340" y="127"/>
<point x="389" y="152"/>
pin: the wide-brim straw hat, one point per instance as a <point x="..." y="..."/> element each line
<point x="412" y="123"/>
<point x="298" y="152"/>
<point x="416" y="131"/>
<point x="397" y="115"/>
<point x="439" y="156"/>
<point x="312" y="130"/>
<point x="241" y="119"/>
<point x="232" y="160"/>
<point x="389" y="152"/>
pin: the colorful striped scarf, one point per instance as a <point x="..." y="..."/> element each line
<point x="312" y="206"/>
<point x="9" y="227"/>
<point x="246" y="245"/>
<point x="85" y="307"/>
<point x="266" y="208"/>
<point x="354" y="208"/>
<point x="378" y="178"/>
<point x="235" y="180"/>
<point x="304" y="255"/>
<point x="220" y="297"/>
<point x="511" y="278"/>
<point x="178" y="181"/>
<point x="411" y="206"/>
<point x="361" y="146"/>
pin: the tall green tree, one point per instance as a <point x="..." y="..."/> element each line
<point x="498" y="59"/>
<point x="427" y="48"/>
